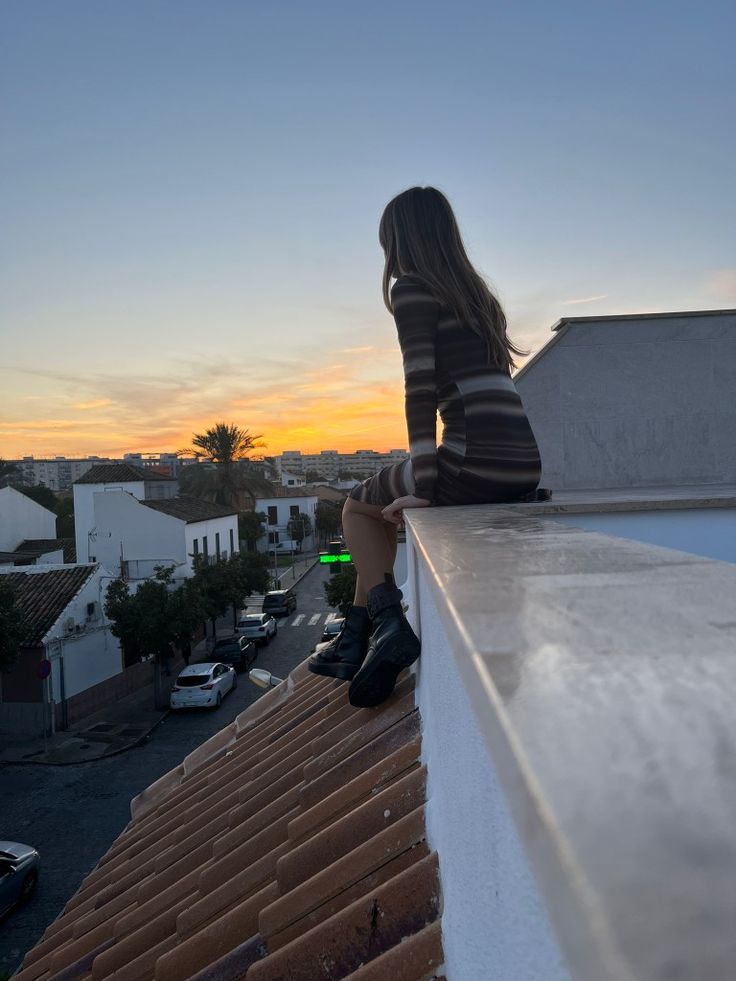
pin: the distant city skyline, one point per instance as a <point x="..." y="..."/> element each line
<point x="191" y="193"/>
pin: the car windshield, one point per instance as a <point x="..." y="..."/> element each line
<point x="192" y="680"/>
<point x="228" y="649"/>
<point x="250" y="621"/>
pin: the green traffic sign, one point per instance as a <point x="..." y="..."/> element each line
<point x="344" y="557"/>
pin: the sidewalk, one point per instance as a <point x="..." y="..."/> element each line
<point x="118" y="727"/>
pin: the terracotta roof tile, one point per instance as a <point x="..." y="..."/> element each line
<point x="290" y="845"/>
<point x="190" y="509"/>
<point x="33" y="547"/>
<point x="119" y="473"/>
<point x="43" y="596"/>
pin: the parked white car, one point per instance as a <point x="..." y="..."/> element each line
<point x="203" y="686"/>
<point x="259" y="627"/>
<point x="284" y="548"/>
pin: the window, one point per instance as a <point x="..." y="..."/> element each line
<point x="204" y="546"/>
<point x="294" y="510"/>
<point x="217" y="544"/>
<point x="196" y="547"/>
<point x="273" y="515"/>
<point x="232" y="542"/>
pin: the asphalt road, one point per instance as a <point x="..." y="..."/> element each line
<point x="72" y="814"/>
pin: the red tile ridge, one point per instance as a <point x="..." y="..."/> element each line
<point x="342" y="874"/>
<point x="351" y="830"/>
<point x="218" y="872"/>
<point x="406" y="730"/>
<point x="356" y="790"/>
<point x="361" y="932"/>
<point x="244" y="883"/>
<point x="218" y="938"/>
<point x="417" y="958"/>
<point x="365" y="885"/>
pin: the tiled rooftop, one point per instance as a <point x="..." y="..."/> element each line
<point x="119" y="473"/>
<point x="42" y="597"/>
<point x="289" y="847"/>
<point x="190" y="509"/>
<point x="302" y="491"/>
<point x="33" y="547"/>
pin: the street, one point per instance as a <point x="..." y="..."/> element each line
<point x="73" y="813"/>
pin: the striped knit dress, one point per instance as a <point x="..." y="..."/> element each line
<point x="487" y="453"/>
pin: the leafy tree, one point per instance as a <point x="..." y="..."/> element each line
<point x="215" y="584"/>
<point x="41" y="495"/>
<point x="65" y="517"/>
<point x="340" y="589"/>
<point x="328" y="519"/>
<point x="10" y="473"/>
<point x="11" y="626"/>
<point x="121" y="610"/>
<point x="251" y="527"/>
<point x="186" y="613"/>
<point x="312" y="476"/>
<point x="237" y="486"/>
<point x="298" y="527"/>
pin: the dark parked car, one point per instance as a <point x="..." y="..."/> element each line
<point x="239" y="652"/>
<point x="279" y="602"/>
<point x="19" y="866"/>
<point x="332" y="629"/>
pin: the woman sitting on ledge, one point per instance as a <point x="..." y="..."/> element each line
<point x="457" y="357"/>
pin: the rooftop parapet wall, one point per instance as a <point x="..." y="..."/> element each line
<point x="595" y="755"/>
<point x="634" y="401"/>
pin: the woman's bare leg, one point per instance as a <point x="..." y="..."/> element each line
<point x="372" y="544"/>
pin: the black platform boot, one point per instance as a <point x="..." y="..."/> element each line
<point x="393" y="646"/>
<point x="343" y="656"/>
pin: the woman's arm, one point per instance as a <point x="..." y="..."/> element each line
<point x="416" y="313"/>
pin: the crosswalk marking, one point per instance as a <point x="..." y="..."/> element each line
<point x="314" y="618"/>
<point x="297" y="620"/>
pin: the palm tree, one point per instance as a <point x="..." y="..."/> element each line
<point x="227" y="476"/>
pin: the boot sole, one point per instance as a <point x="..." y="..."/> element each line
<point x="340" y="670"/>
<point x="377" y="679"/>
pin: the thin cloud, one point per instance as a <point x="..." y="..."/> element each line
<point x="585" y="299"/>
<point x="94" y="404"/>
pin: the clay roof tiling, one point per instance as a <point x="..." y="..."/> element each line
<point x="190" y="509"/>
<point x="43" y="596"/>
<point x="119" y="473"/>
<point x="33" y="547"/>
<point x="289" y="847"/>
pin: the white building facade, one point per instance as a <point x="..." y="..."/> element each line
<point x="21" y="518"/>
<point x="281" y="510"/>
<point x="132" y="537"/>
<point x="110" y="478"/>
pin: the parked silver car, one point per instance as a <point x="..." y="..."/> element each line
<point x="19" y="865"/>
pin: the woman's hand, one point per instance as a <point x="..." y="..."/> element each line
<point x="393" y="512"/>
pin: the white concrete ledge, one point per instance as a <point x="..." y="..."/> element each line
<point x="602" y="678"/>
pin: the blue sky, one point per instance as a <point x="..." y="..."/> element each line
<point x="190" y="195"/>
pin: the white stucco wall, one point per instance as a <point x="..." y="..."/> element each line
<point x="125" y="528"/>
<point x="86" y="656"/>
<point x="635" y="402"/>
<point x="22" y="518"/>
<point x="306" y="505"/>
<point x="210" y="528"/>
<point x="495" y="925"/>
<point x="710" y="532"/>
<point x="84" y="514"/>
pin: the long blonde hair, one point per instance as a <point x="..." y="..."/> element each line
<point x="420" y="236"/>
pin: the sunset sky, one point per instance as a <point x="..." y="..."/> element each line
<point x="190" y="195"/>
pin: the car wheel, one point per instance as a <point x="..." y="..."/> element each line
<point x="218" y="703"/>
<point x="235" y="682"/>
<point x="267" y="640"/>
<point x="29" y="884"/>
